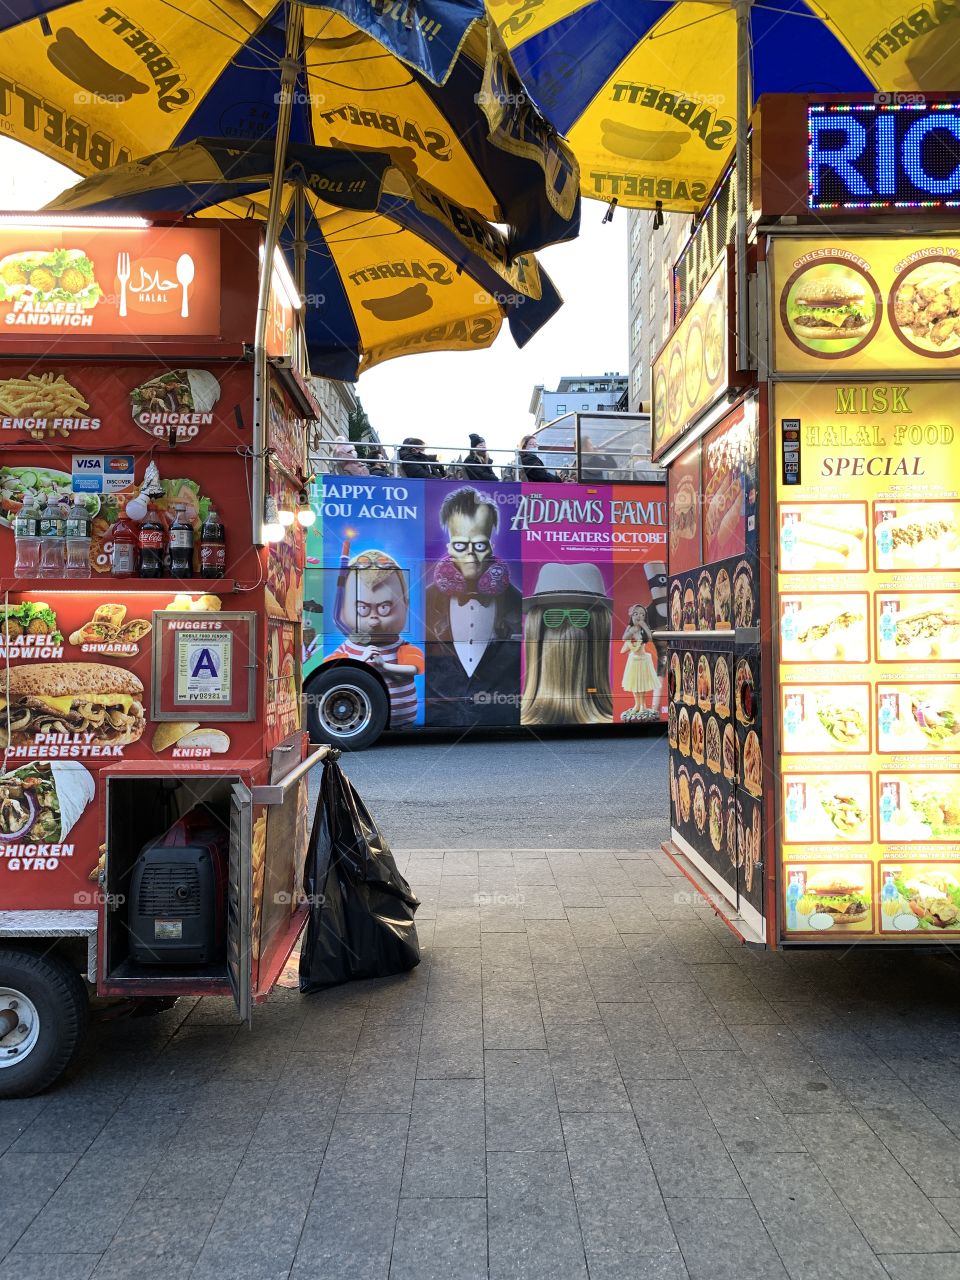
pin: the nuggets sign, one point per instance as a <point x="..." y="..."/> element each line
<point x="883" y="155"/>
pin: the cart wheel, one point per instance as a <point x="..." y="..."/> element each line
<point x="346" y="707"/>
<point x="43" y="1018"/>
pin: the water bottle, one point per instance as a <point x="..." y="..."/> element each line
<point x="52" y="551"/>
<point x="26" y="531"/>
<point x="77" y="533"/>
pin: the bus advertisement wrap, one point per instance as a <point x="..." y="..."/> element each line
<point x="491" y="603"/>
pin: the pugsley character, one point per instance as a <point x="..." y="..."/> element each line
<point x="372" y="615"/>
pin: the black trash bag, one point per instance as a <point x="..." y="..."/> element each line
<point x="361" y="914"/>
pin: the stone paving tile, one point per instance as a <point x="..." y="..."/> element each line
<point x="27" y="1183"/>
<point x="621" y="1211"/>
<point x="445" y="1153"/>
<point x="532" y="1225"/>
<point x="35" y="1266"/>
<point x="522" y="1113"/>
<point x="724" y="1240"/>
<point x="440" y="1239"/>
<point x="79" y="1217"/>
<point x="804" y="1218"/>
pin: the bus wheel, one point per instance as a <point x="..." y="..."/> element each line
<point x="43" y="1018"/>
<point x="346" y="707"/>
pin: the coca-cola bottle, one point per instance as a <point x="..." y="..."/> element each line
<point x="152" y="545"/>
<point x="213" y="547"/>
<point x="124" y="558"/>
<point x="181" y="545"/>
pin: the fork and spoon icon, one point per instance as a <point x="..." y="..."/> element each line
<point x="185" y="271"/>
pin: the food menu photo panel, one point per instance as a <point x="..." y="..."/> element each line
<point x="684" y="528"/>
<point x="724" y="500"/>
<point x="868" y="476"/>
<point x="878" y="303"/>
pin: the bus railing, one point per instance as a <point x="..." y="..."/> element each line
<point x="604" y="466"/>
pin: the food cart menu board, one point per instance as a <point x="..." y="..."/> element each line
<point x="868" y="614"/>
<point x="882" y="304"/>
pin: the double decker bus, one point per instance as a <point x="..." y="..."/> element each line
<point x="459" y="601"/>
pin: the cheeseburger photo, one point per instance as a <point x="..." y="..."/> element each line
<point x="71" y="697"/>
<point x="840" y="893"/>
<point x="831" y="308"/>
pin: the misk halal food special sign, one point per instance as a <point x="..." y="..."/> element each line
<point x="884" y="304"/>
<point x="98" y="282"/>
<point x="693" y="368"/>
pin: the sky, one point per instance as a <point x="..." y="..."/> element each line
<point x="443" y="397"/>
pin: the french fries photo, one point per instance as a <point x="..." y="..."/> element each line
<point x="41" y="404"/>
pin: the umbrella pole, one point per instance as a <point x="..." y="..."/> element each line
<point x="289" y="69"/>
<point x="743" y="180"/>
<point x="300" y="251"/>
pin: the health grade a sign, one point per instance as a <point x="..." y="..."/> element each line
<point x="204" y="668"/>
<point x="884" y="155"/>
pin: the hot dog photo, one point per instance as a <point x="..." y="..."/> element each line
<point x="823" y="538"/>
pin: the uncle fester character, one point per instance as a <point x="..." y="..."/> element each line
<point x="473" y="620"/>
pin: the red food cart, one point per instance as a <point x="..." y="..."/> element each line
<point x="154" y="812"/>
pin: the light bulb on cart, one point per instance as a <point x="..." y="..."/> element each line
<point x="305" y="513"/>
<point x="273" y="530"/>
<point x="286" y="516"/>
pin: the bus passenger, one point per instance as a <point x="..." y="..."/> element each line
<point x="415" y="463"/>
<point x="595" y="467"/>
<point x="372" y="615"/>
<point x="476" y="465"/>
<point x="531" y="465"/>
<point x="346" y="462"/>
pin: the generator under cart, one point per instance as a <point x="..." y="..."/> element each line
<point x="154" y="778"/>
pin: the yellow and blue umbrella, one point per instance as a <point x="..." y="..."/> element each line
<point x="646" y="92"/>
<point x="95" y="86"/>
<point x="392" y="265"/>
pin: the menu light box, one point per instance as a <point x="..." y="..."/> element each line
<point x="884" y="155"/>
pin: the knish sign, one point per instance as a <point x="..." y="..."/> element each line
<point x="884" y="155"/>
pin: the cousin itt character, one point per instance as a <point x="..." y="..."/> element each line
<point x="473" y="617"/>
<point x="372" y="615"/>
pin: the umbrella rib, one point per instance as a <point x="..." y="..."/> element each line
<point x="250" y="38"/>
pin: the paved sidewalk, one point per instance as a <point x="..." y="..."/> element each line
<point x="587" y="1076"/>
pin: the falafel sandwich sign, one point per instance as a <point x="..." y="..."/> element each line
<point x="96" y="282"/>
<point x="888" y="305"/>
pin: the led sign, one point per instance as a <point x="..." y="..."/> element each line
<point x="882" y="155"/>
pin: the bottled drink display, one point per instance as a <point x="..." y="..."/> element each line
<point x="213" y="548"/>
<point x="181" y="546"/>
<point x="52" y="554"/>
<point x="26" y="531"/>
<point x="124" y="560"/>
<point x="77" y="539"/>
<point x="152" y="545"/>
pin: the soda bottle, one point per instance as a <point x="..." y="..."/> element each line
<point x="51" y="538"/>
<point x="181" y="546"/>
<point x="213" y="549"/>
<point x="123" y="561"/>
<point x="77" y="537"/>
<point x="26" y="530"/>
<point x="152" y="545"/>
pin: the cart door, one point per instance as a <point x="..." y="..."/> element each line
<point x="240" y="901"/>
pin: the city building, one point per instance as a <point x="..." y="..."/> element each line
<point x="651" y="253"/>
<point x="585" y="393"/>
